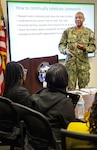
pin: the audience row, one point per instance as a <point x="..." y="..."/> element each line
<point x="52" y="101"/>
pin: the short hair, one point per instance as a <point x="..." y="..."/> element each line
<point x="80" y="13"/>
<point x="13" y="74"/>
<point x="57" y="76"/>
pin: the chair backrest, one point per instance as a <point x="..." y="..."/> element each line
<point x="69" y="135"/>
<point x="74" y="97"/>
<point x="7" y="115"/>
<point x="10" y="133"/>
<point x="37" y="127"/>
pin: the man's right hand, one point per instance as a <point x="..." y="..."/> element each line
<point x="80" y="46"/>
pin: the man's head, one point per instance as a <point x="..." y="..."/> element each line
<point x="79" y="19"/>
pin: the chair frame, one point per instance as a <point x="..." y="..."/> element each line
<point x="9" y="141"/>
<point x="23" y="112"/>
<point x="76" y="135"/>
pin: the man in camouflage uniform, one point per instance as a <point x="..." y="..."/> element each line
<point x="77" y="42"/>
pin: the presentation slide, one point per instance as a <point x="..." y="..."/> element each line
<point x="35" y="28"/>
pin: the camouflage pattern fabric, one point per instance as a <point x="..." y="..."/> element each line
<point x="78" y="65"/>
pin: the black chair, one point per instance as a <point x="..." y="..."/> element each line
<point x="74" y="97"/>
<point x="69" y="135"/>
<point x="38" y="129"/>
<point x="10" y="132"/>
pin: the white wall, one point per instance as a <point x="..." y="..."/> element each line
<point x="93" y="61"/>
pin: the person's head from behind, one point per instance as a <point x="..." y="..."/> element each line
<point x="57" y="76"/>
<point x="14" y="74"/>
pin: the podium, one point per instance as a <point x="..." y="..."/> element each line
<point x="32" y="82"/>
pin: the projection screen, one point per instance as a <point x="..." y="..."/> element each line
<point x="35" y="28"/>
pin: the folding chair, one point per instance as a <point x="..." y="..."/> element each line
<point x="38" y="129"/>
<point x="67" y="136"/>
<point x="10" y="132"/>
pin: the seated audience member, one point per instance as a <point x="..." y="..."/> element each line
<point x="14" y="79"/>
<point x="90" y="127"/>
<point x="52" y="101"/>
<point x="93" y="117"/>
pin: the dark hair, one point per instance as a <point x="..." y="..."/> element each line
<point x="13" y="74"/>
<point x="57" y="76"/>
<point x="93" y="117"/>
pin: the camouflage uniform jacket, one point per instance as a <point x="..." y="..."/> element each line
<point x="69" y="37"/>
